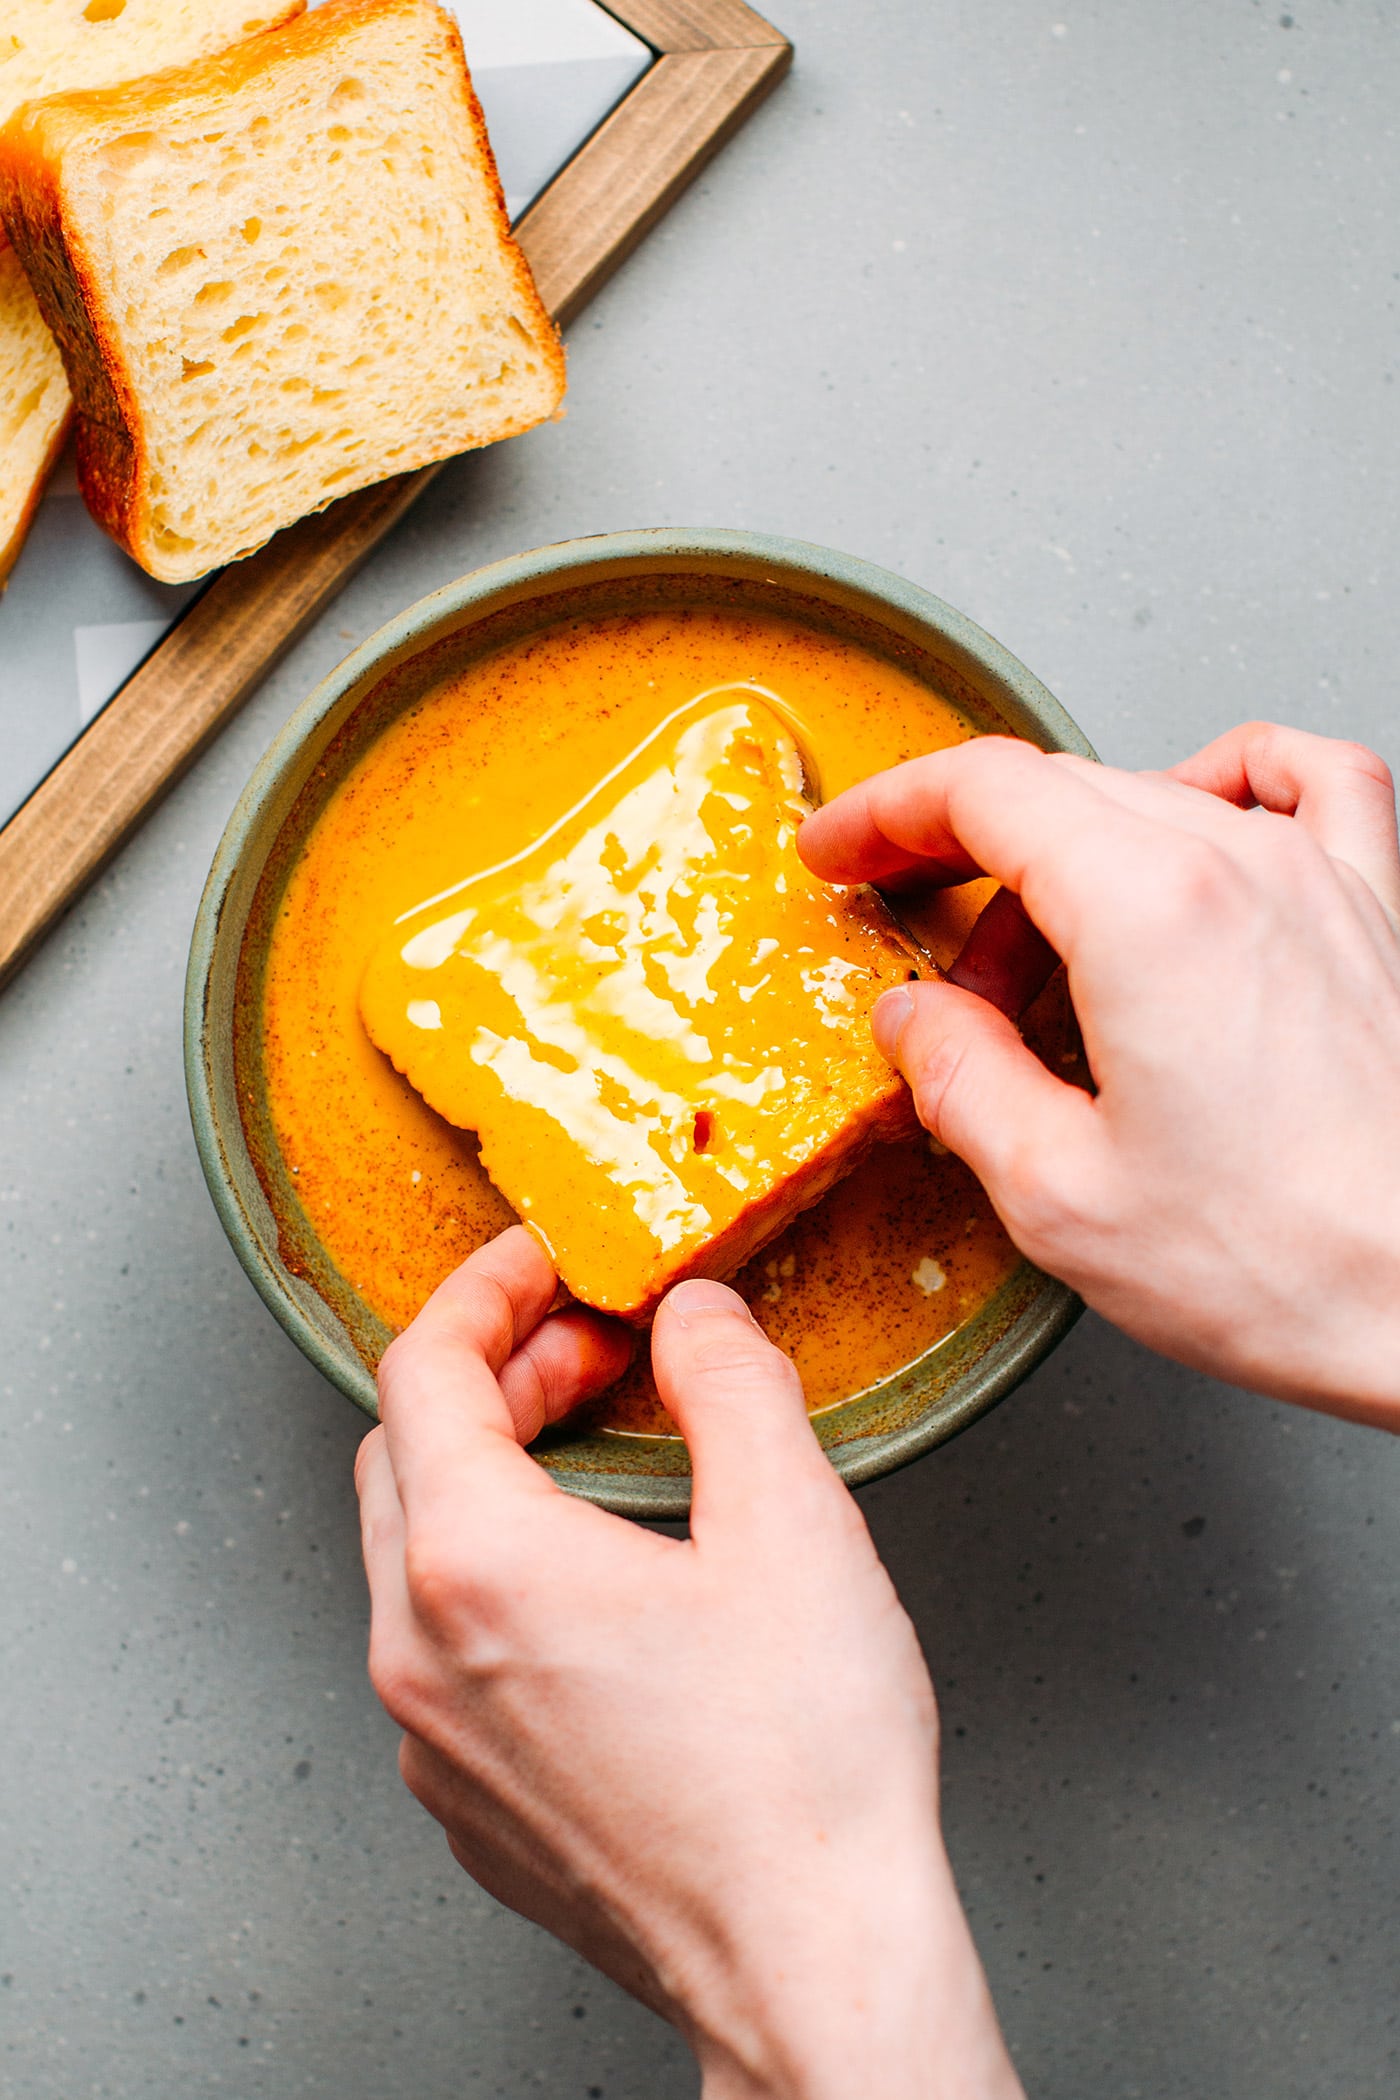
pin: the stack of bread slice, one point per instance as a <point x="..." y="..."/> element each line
<point x="276" y="275"/>
<point x="48" y="46"/>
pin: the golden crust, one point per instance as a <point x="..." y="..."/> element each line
<point x="110" y="442"/>
<point x="68" y="294"/>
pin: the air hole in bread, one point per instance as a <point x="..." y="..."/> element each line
<point x="131" y="147"/>
<point x="103" y="10"/>
<point x="244" y="325"/>
<point x="23" y="410"/>
<point x="179" y="259"/>
<point x="251" y="228"/>
<point x="195" y="368"/>
<point x="215" y="292"/>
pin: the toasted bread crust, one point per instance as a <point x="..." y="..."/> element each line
<point x="111" y="440"/>
<point x="69" y="297"/>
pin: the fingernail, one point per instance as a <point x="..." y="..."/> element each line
<point x="700" y="1294"/>
<point x="891" y="1017"/>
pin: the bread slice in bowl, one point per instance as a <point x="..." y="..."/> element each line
<point x="276" y="276"/>
<point x="655" y="1019"/>
<point x="47" y="46"/>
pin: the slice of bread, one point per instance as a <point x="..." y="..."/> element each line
<point x="35" y="408"/>
<point x="51" y="47"/>
<point x="655" y="1019"/>
<point x="276" y="276"/>
<point x="47" y="46"/>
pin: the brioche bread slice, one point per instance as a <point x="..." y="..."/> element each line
<point x="45" y="46"/>
<point x="276" y="275"/>
<point x="35" y="407"/>
<point x="655" y="1019"/>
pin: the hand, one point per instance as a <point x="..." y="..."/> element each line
<point x="1231" y="1194"/>
<point x="708" y="1765"/>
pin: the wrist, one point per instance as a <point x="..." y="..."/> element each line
<point x="885" y="1996"/>
<point x="1339" y="1352"/>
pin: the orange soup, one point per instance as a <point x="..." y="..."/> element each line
<point x="889" y="1264"/>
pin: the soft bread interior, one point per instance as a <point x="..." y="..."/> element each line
<point x="309" y="275"/>
<point x="50" y="47"/>
<point x="34" y="406"/>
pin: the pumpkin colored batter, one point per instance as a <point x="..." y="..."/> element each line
<point x="892" y="1261"/>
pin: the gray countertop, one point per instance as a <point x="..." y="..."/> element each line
<point x="1087" y="320"/>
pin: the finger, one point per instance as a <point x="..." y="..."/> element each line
<point x="1044" y="829"/>
<point x="1341" y="793"/>
<point x="382" y="1542"/>
<point x="739" y="1404"/>
<point x="1004" y="960"/>
<point x="981" y="1092"/>
<point x="571" y="1357"/>
<point x="844" y="841"/>
<point x="450" y="1433"/>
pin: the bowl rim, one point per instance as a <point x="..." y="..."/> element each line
<point x="543" y="571"/>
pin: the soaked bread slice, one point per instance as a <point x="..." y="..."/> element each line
<point x="47" y="46"/>
<point x="35" y="406"/>
<point x="655" y="1019"/>
<point x="277" y="275"/>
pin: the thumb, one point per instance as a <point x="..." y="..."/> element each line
<point x="981" y="1092"/>
<point x="738" y="1402"/>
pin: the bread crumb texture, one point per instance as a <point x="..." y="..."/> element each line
<point x="50" y="47"/>
<point x="298" y="275"/>
<point x="34" y="406"/>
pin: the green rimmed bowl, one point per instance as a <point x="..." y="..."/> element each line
<point x="874" y="1432"/>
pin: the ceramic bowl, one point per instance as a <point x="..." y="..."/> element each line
<point x="919" y="1407"/>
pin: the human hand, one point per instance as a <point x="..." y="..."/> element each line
<point x="1231" y="1194"/>
<point x="708" y="1765"/>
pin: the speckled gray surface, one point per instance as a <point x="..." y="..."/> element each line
<point x="1087" y="320"/>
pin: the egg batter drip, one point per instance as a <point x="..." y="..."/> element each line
<point x="655" y="1018"/>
